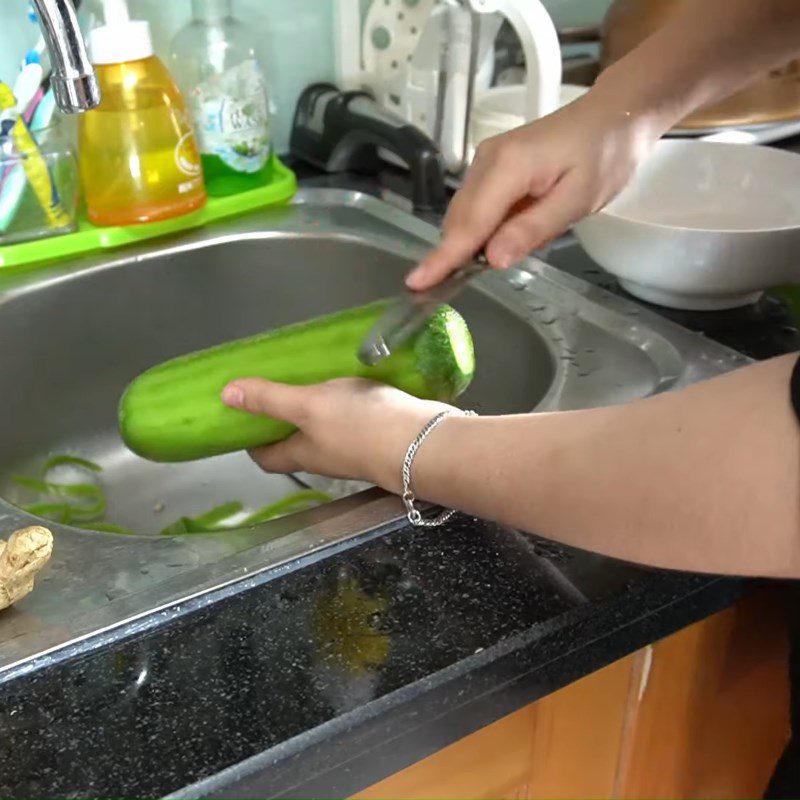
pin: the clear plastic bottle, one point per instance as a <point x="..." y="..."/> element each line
<point x="213" y="60"/>
<point x="138" y="154"/>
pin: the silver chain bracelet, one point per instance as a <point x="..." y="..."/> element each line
<point x="413" y="514"/>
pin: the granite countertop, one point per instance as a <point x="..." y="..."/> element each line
<point x="319" y="679"/>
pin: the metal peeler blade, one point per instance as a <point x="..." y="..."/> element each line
<point x="409" y="312"/>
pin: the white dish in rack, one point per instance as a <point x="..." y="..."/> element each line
<point x="703" y="225"/>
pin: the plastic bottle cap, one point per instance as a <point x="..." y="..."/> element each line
<point x="119" y="43"/>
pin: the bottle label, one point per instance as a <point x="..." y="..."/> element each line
<point x="233" y="118"/>
<point x="186" y="157"/>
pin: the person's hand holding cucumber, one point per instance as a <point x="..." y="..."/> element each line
<point x="602" y="479"/>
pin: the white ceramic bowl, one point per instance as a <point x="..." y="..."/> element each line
<point x="703" y="225"/>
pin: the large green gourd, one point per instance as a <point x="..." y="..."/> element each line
<point x="173" y="412"/>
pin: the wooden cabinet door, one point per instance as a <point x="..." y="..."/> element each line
<point x="712" y="711"/>
<point x="491" y="763"/>
<point x="702" y="714"/>
<point x="578" y="735"/>
<point x="566" y="745"/>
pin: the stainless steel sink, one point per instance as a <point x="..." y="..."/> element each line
<point x="112" y="323"/>
<point x="76" y="334"/>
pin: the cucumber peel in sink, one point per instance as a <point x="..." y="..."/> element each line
<point x="218" y="519"/>
<point x="78" y="502"/>
<point x="84" y="504"/>
<point x="174" y="412"/>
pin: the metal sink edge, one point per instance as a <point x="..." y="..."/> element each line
<point x="205" y="563"/>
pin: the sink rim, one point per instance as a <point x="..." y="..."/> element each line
<point x="293" y="539"/>
<point x="218" y="236"/>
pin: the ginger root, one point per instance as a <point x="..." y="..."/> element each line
<point x="21" y="557"/>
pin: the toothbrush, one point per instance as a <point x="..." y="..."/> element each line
<point x="43" y="113"/>
<point x="33" y="101"/>
<point x="32" y="161"/>
<point x="30" y="109"/>
<point x="11" y="196"/>
<point x="12" y="181"/>
<point x="28" y="81"/>
<point x="37" y="116"/>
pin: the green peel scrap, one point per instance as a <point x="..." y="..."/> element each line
<point x="84" y="504"/>
<point x="91" y="500"/>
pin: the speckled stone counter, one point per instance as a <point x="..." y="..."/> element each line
<point x="320" y="679"/>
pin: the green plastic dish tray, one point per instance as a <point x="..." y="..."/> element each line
<point x="89" y="238"/>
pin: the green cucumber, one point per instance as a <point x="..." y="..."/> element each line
<point x="173" y="412"/>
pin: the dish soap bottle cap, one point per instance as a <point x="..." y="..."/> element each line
<point x="121" y="39"/>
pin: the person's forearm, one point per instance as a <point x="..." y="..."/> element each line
<point x="705" y="52"/>
<point x="705" y="479"/>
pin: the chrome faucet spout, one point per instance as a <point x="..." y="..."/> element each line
<point x="73" y="79"/>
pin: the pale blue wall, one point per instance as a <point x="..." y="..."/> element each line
<point x="295" y="39"/>
<point x="295" y="43"/>
<point x="16" y="35"/>
<point x="577" y="12"/>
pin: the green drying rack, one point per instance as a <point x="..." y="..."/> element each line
<point x="89" y="238"/>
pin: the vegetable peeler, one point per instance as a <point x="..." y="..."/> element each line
<point x="407" y="314"/>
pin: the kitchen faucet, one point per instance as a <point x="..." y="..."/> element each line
<point x="73" y="80"/>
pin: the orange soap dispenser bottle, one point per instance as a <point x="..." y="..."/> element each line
<point x="138" y="155"/>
